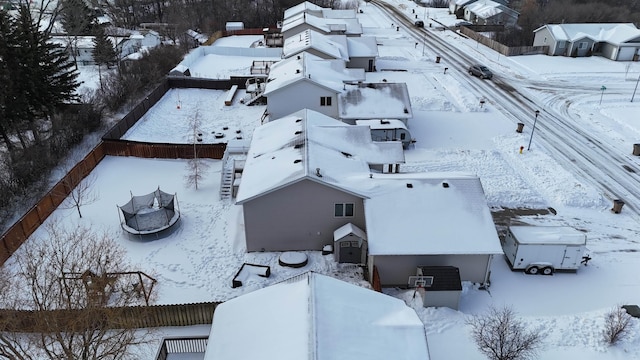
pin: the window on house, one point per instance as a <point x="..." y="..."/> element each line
<point x="343" y="210"/>
<point x="325" y="101"/>
<point x="582" y="45"/>
<point x="561" y="45"/>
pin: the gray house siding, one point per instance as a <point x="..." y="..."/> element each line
<point x="394" y="270"/>
<point x="366" y="63"/>
<point x="298" y="96"/>
<point x="298" y="29"/>
<point x="609" y="51"/>
<point x="297" y="217"/>
<point x="543" y="37"/>
<point x="448" y="299"/>
<point x="581" y="47"/>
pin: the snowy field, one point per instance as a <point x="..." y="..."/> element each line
<point x="198" y="261"/>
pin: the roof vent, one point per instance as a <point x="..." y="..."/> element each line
<point x="297" y="146"/>
<point x="385" y="122"/>
<point x="296" y="161"/>
<point x="298" y="120"/>
<point x="298" y="132"/>
<point x="309" y="76"/>
<point x="410" y="185"/>
<point x="299" y="57"/>
<point x="406" y="111"/>
<point x="297" y="71"/>
<point x="318" y="172"/>
<point x="384" y="80"/>
<point x="445" y="184"/>
<point x="346" y="154"/>
<point x="370" y="176"/>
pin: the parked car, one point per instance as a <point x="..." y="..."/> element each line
<point x="463" y="23"/>
<point x="419" y="23"/>
<point x="480" y="71"/>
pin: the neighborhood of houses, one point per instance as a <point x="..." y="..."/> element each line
<point x="325" y="173"/>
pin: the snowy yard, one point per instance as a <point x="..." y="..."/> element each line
<point x="198" y="261"/>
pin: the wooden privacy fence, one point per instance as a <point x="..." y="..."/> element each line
<point x="501" y="48"/>
<point x="162" y="151"/>
<point x="78" y="320"/>
<point x="27" y="224"/>
<point x="111" y="144"/>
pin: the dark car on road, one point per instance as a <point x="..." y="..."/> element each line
<point x="419" y="23"/>
<point x="480" y="71"/>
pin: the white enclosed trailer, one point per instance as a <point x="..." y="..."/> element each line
<point x="544" y="249"/>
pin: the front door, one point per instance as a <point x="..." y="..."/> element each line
<point x="350" y="252"/>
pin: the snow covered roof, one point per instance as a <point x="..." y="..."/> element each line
<point x="379" y="124"/>
<point x="375" y="101"/>
<point x="334" y="47"/>
<point x="80" y="42"/>
<point x="548" y="235"/>
<point x="486" y="8"/>
<point x="292" y="148"/>
<point x="325" y="25"/>
<point x="316" y="317"/>
<point x="331" y="74"/>
<point x="300" y="8"/>
<point x="200" y="38"/>
<point x="338" y="13"/>
<point x="361" y="46"/>
<point x="398" y="219"/>
<point x="347" y="229"/>
<point x="614" y="33"/>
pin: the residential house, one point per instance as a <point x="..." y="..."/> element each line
<point x="615" y="41"/>
<point x="382" y="100"/>
<point x="134" y="41"/>
<point x="316" y="317"/>
<point x="457" y="7"/>
<point x="301" y="180"/>
<point x="357" y="52"/>
<point x="307" y="175"/>
<point x="79" y="48"/>
<point x="328" y="26"/>
<point x="388" y="130"/>
<point x="429" y="219"/>
<point x="313" y="82"/>
<point x="315" y="43"/>
<point x="488" y="12"/>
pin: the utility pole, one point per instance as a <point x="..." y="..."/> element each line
<point x="533" y="129"/>
<point x="636" y="88"/>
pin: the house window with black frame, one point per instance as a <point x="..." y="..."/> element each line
<point x="343" y="210"/>
<point x="325" y="100"/>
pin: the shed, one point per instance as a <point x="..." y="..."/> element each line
<point x="350" y="244"/>
<point x="443" y="288"/>
<point x="234" y="26"/>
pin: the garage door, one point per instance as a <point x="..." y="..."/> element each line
<point x="626" y="53"/>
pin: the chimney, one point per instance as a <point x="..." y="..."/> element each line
<point x="318" y="172"/>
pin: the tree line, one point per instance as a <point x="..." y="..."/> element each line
<point x="536" y="13"/>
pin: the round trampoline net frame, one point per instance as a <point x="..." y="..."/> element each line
<point x="149" y="214"/>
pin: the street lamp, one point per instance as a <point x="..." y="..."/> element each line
<point x="533" y="129"/>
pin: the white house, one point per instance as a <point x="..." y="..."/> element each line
<point x="488" y="12"/>
<point x="79" y="48"/>
<point x="315" y="43"/>
<point x="316" y="317"/>
<point x="329" y="26"/>
<point x="315" y="10"/>
<point x="615" y="41"/>
<point x="313" y="82"/>
<point x="358" y="52"/>
<point x="382" y="100"/>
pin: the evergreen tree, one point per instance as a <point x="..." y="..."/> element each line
<point x="6" y="89"/>
<point x="44" y="75"/>
<point x="77" y="17"/>
<point x="103" y="51"/>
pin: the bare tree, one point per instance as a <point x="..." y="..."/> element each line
<point x="499" y="335"/>
<point x="195" y="165"/>
<point x="82" y="191"/>
<point x="616" y="325"/>
<point x="75" y="283"/>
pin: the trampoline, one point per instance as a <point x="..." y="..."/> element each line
<point x="150" y="214"/>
